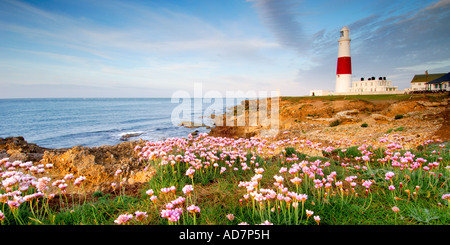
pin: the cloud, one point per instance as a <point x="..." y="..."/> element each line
<point x="282" y="20"/>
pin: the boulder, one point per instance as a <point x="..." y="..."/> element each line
<point x="379" y="117"/>
<point x="347" y="116"/>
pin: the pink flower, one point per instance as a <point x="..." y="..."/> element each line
<point x="140" y="216"/>
<point x="68" y="177"/>
<point x="79" y="180"/>
<point x="190" y="172"/>
<point x="266" y="223"/>
<point x="389" y="175"/>
<point x="395" y="209"/>
<point x="391" y="187"/>
<point x="230" y="217"/>
<point x="193" y="209"/>
<point x="367" y="183"/>
<point x="62" y="186"/>
<point x="119" y="171"/>
<point x="123" y="218"/>
<point x="149" y="192"/>
<point x="296" y="180"/>
<point x="317" y="219"/>
<point x="153" y="198"/>
<point x="187" y="189"/>
<point x="278" y="179"/>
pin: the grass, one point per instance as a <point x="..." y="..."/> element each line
<point x="356" y="97"/>
<point x="374" y="97"/>
<point x="252" y="174"/>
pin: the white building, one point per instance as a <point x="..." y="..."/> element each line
<point x="440" y="84"/>
<point x="320" y="92"/>
<point x="373" y="85"/>
<point x="419" y="81"/>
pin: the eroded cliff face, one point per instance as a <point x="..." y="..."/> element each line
<point x="422" y="116"/>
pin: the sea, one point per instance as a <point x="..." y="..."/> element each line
<point x="68" y="122"/>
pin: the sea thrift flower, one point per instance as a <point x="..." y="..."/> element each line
<point x="68" y="177"/>
<point x="296" y="180"/>
<point x="187" y="189"/>
<point x="149" y="192"/>
<point x="193" y="209"/>
<point x="391" y="187"/>
<point x="119" y="171"/>
<point x="42" y="183"/>
<point x="230" y="217"/>
<point x="367" y="183"/>
<point x="62" y="186"/>
<point x="190" y="172"/>
<point x="389" y="175"/>
<point x="308" y="213"/>
<point x="317" y="219"/>
<point x="123" y="218"/>
<point x="79" y="180"/>
<point x="259" y="170"/>
<point x="395" y="209"/>
<point x="266" y="223"/>
<point x="278" y="179"/>
<point x="153" y="198"/>
<point x="140" y="216"/>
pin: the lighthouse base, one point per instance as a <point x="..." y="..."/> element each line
<point x="343" y="83"/>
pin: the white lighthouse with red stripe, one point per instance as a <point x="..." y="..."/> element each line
<point x="344" y="63"/>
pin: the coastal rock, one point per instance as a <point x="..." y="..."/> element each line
<point x="97" y="164"/>
<point x="381" y="118"/>
<point x="127" y="136"/>
<point x="189" y="124"/>
<point x="347" y="116"/>
<point x="17" y="148"/>
<point x="433" y="103"/>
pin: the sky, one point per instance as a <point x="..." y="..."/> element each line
<point x="113" y="48"/>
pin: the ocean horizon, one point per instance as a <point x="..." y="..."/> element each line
<point x="68" y="122"/>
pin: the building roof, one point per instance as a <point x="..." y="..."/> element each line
<point x="444" y="78"/>
<point x="423" y="78"/>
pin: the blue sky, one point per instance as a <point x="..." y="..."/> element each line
<point x="153" y="48"/>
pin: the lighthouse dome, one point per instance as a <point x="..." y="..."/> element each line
<point x="345" y="34"/>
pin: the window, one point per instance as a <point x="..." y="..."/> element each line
<point x="342" y="33"/>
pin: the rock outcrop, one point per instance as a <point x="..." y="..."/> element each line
<point x="97" y="164"/>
